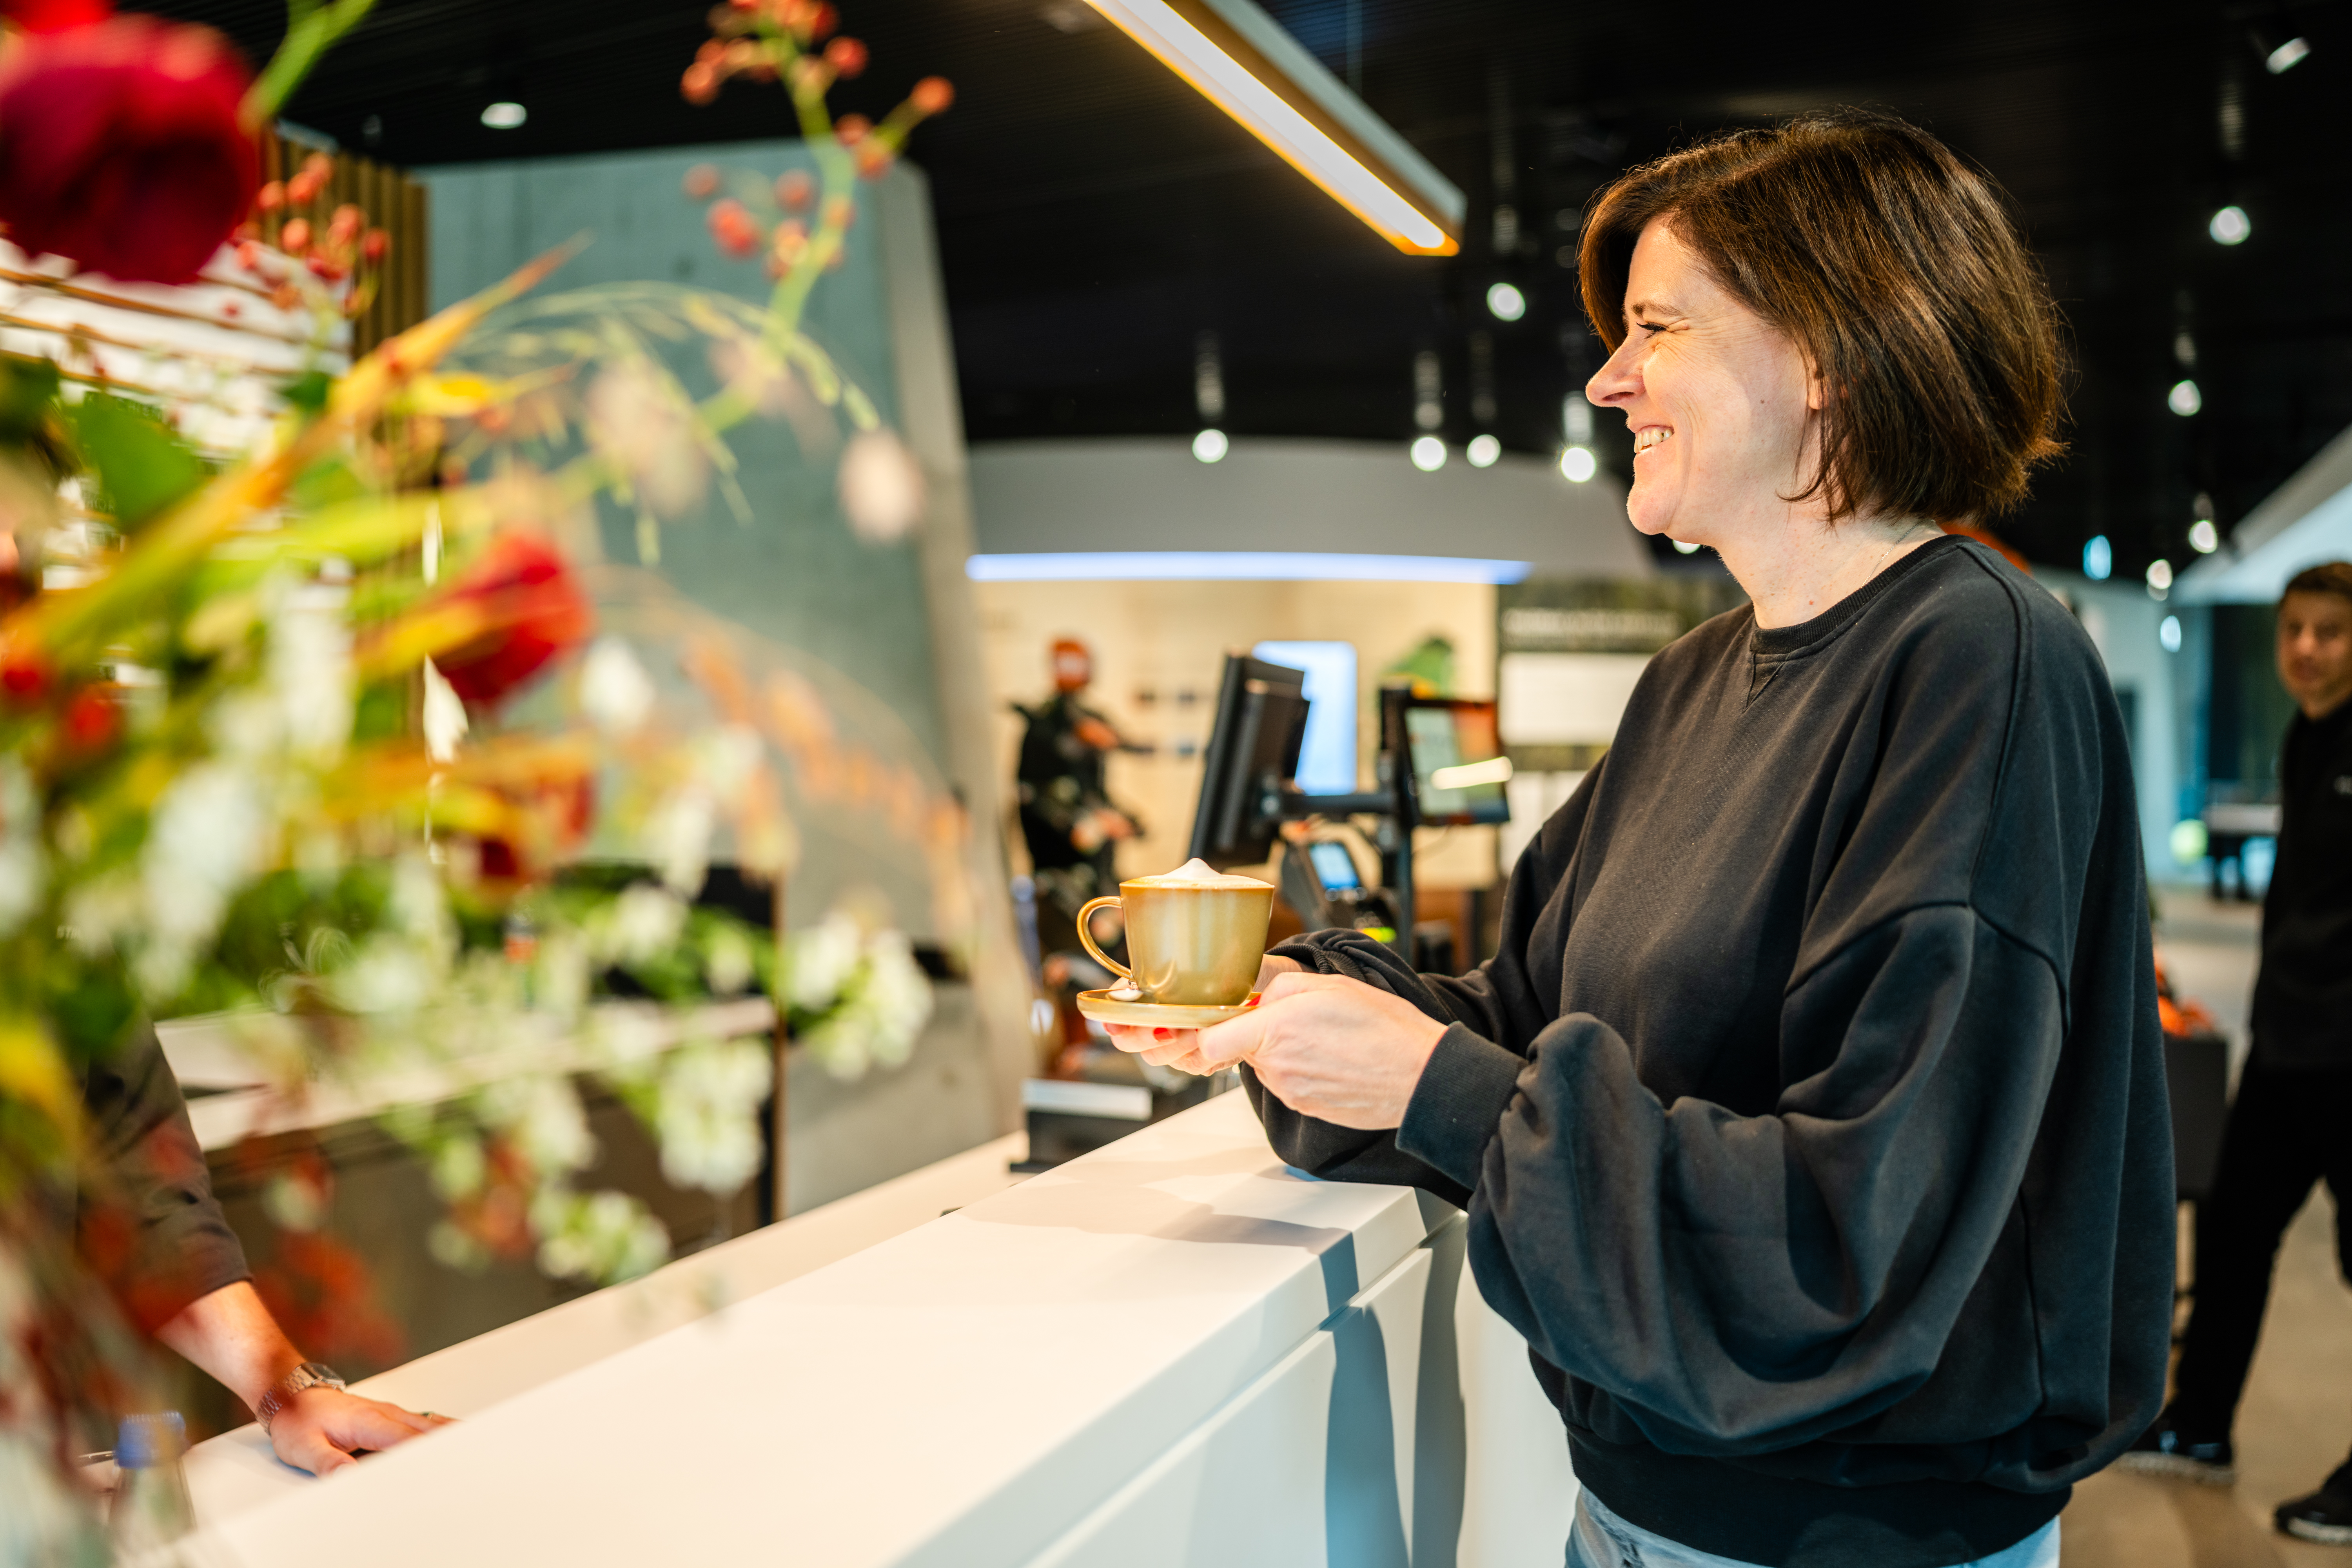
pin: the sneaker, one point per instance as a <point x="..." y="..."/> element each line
<point x="2326" y="1516"/>
<point x="2164" y="1451"/>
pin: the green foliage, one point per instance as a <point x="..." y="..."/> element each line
<point x="142" y="468"/>
<point x="308" y="391"/>
<point x="28" y="390"/>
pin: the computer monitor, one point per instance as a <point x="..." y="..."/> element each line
<point x="1458" y="766"/>
<point x="1252" y="753"/>
<point x="1334" y="867"/>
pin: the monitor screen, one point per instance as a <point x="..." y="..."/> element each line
<point x="1334" y="867"/>
<point x="1253" y="754"/>
<point x="1458" y="766"/>
<point x="1327" y="756"/>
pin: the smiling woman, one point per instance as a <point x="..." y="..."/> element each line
<point x="1809" y="1115"/>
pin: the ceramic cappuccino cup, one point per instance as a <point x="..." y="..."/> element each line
<point x="1194" y="937"/>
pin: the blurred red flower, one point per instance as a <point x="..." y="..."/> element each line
<point x="56" y="16"/>
<point x="532" y="609"/>
<point x="121" y="145"/>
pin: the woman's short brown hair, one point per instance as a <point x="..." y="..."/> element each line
<point x="1897" y="270"/>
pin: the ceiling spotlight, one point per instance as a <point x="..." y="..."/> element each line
<point x="1578" y="465"/>
<point x="2159" y="577"/>
<point x="1506" y="301"/>
<point x="1482" y="451"/>
<point x="1682" y="546"/>
<point x="1210" y="446"/>
<point x="2169" y="633"/>
<point x="505" y="115"/>
<point x="2184" y="399"/>
<point x="1428" y="454"/>
<point x="2287" y="57"/>
<point x="2098" y="558"/>
<point x="2203" y="537"/>
<point x="2231" y="225"/>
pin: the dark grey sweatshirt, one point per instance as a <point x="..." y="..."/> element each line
<point x="1811" y="1117"/>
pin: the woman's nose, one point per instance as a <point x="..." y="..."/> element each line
<point x="1618" y="379"/>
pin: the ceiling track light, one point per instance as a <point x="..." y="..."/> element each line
<point x="2287" y="55"/>
<point x="505" y="115"/>
<point x="1242" y="61"/>
<point x="2229" y="225"/>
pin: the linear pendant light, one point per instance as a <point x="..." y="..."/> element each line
<point x="1242" y="61"/>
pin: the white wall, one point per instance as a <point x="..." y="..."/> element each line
<point x="1363" y="497"/>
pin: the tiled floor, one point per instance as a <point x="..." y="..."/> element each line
<point x="2295" y="1424"/>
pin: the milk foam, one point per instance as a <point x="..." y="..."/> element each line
<point x="1197" y="873"/>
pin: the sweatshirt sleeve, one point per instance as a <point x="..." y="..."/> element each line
<point x="149" y="1222"/>
<point x="1748" y="1283"/>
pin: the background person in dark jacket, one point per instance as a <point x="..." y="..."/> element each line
<point x="1811" y="1119"/>
<point x="154" y="1231"/>
<point x="2291" y="1123"/>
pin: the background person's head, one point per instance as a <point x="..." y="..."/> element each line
<point x="1074" y="664"/>
<point x="1835" y="316"/>
<point x="2315" y="637"/>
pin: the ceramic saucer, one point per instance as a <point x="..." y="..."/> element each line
<point x="1104" y="1007"/>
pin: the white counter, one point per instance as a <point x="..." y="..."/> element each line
<point x="1172" y="1351"/>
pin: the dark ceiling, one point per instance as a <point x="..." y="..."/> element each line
<point x="1096" y="215"/>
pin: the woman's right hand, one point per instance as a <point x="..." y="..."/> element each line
<point x="1180" y="1048"/>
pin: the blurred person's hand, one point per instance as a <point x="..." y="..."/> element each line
<point x="320" y="1429"/>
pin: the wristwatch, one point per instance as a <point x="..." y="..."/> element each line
<point x="310" y="1374"/>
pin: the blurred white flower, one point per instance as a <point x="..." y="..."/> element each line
<point x="728" y="962"/>
<point x="616" y="692"/>
<point x="645" y="921"/>
<point x="641" y="426"/>
<point x="207" y="837"/>
<point x="388" y="975"/>
<point x="446" y="722"/>
<point x="458" y="1167"/>
<point x="625" y="1037"/>
<point x="603" y="1236"/>
<point x="418" y="905"/>
<point x="310" y="668"/>
<point x="544" y="1118"/>
<point x="708" y="1123"/>
<point x="819" y="960"/>
<point x="678" y="837"/>
<point x="881" y="487"/>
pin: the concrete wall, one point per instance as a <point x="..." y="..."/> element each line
<point x="885" y="631"/>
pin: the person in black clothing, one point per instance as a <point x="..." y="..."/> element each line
<point x="2291" y="1123"/>
<point x="1067" y="821"/>
<point x="1810" y="1117"/>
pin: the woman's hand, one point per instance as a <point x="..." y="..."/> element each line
<point x="1180" y="1048"/>
<point x="1327" y="1046"/>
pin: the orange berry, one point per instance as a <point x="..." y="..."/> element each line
<point x="851" y="128"/>
<point x="932" y="95"/>
<point x="793" y="188"/>
<point x="272" y="196"/>
<point x="846" y="55"/>
<point x="376" y="246"/>
<point x="295" y="238"/>
<point x="700" y="84"/>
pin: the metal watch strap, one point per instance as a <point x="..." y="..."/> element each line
<point x="310" y="1374"/>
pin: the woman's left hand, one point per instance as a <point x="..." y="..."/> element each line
<point x="1327" y="1046"/>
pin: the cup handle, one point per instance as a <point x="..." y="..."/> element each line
<point x="1087" y="937"/>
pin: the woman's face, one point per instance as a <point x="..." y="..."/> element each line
<point x="1718" y="400"/>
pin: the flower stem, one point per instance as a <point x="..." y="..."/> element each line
<point x="311" y="29"/>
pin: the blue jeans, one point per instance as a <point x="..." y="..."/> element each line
<point x="1601" y="1539"/>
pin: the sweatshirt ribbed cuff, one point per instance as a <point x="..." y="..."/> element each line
<point x="1457" y="1108"/>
